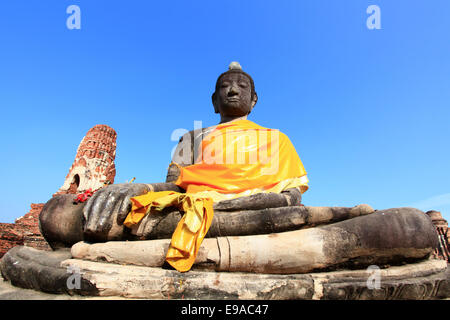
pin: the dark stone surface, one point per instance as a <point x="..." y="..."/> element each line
<point x="260" y="201"/>
<point x="391" y="236"/>
<point x="61" y="221"/>
<point x="387" y="229"/>
<point x="282" y="213"/>
<point x="10" y="292"/>
<point x="30" y="268"/>
<point x="248" y="222"/>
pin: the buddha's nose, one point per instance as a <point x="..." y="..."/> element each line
<point x="234" y="90"/>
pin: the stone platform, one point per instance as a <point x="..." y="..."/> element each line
<point x="10" y="292"/>
<point x="50" y="272"/>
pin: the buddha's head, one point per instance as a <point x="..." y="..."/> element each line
<point x="235" y="94"/>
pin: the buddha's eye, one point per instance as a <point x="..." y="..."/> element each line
<point x="243" y="84"/>
<point x="224" y="85"/>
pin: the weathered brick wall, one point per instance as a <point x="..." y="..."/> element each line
<point x="31" y="219"/>
<point x="25" y="231"/>
<point x="30" y="224"/>
<point x="11" y="235"/>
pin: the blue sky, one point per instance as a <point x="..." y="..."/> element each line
<point x="367" y="110"/>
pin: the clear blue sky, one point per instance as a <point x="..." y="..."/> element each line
<point x="367" y="110"/>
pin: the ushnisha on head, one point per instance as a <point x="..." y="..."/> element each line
<point x="235" y="94"/>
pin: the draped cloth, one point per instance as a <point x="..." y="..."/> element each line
<point x="236" y="159"/>
<point x="191" y="228"/>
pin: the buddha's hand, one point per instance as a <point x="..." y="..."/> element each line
<point x="107" y="209"/>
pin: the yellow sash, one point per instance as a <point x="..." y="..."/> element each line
<point x="191" y="228"/>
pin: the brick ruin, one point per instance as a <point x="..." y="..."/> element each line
<point x="442" y="252"/>
<point x="24" y="231"/>
<point x="92" y="168"/>
<point x="94" y="163"/>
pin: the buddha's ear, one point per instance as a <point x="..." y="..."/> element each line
<point x="214" y="102"/>
<point x="254" y="100"/>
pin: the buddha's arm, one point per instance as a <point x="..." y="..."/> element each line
<point x="183" y="154"/>
<point x="287" y="198"/>
<point x="164" y="186"/>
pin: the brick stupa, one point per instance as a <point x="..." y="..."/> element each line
<point x="94" y="163"/>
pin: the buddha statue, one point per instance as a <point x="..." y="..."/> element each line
<point x="231" y="202"/>
<point x="103" y="214"/>
<point x="232" y="179"/>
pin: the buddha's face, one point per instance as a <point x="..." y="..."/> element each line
<point x="233" y="97"/>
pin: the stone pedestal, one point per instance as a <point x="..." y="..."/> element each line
<point x="55" y="272"/>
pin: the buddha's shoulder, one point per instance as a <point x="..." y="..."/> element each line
<point x="196" y="134"/>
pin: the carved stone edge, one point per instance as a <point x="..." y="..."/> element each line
<point x="30" y="268"/>
<point x="48" y="272"/>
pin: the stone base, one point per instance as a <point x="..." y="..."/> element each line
<point x="10" y="292"/>
<point x="52" y="271"/>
